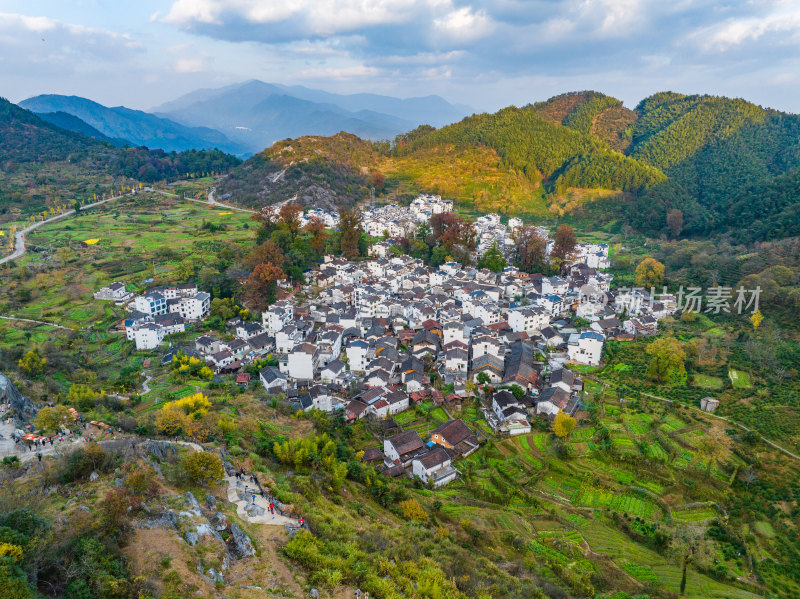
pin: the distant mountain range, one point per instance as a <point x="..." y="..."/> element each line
<point x="135" y="126"/>
<point x="245" y="118"/>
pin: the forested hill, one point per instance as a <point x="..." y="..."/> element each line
<point x="42" y="165"/>
<point x="731" y="165"/>
<point x="725" y="164"/>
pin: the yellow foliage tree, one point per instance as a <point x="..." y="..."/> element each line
<point x="32" y="363"/>
<point x="649" y="273"/>
<point x="412" y="510"/>
<point x="756" y="318"/>
<point x="51" y="420"/>
<point x="563" y="424"/>
<point x="10" y="550"/>
<point x="202" y="467"/>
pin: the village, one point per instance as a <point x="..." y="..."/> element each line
<point x="373" y="338"/>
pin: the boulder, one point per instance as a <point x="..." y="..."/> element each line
<point x="219" y="521"/>
<point x="241" y="546"/>
<point x="94" y="476"/>
<point x="211" y="502"/>
<point x="190" y="537"/>
<point x="23" y="410"/>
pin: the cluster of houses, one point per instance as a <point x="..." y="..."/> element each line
<point x="401" y="221"/>
<point x="372" y="338"/>
<point x="158" y="312"/>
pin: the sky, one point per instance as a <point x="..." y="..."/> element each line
<point x="485" y="54"/>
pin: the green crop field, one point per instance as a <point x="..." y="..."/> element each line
<point x="739" y="379"/>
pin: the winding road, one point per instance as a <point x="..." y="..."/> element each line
<point x="19" y="238"/>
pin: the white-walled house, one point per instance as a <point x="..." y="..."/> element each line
<point x="303" y="361"/>
<point x="147" y="335"/>
<point x="585" y="348"/>
<point x="357" y="351"/>
<point x="529" y="320"/>
<point x="151" y="303"/>
<point x="435" y="467"/>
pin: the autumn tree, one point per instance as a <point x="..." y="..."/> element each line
<point x="202" y="467"/>
<point x="289" y="217"/>
<point x="51" y="420"/>
<point x="674" y="222"/>
<point x="266" y="253"/>
<point x="32" y="363"/>
<point x="667" y="362"/>
<point x="564" y="242"/>
<point x="261" y="285"/>
<point x="649" y="273"/>
<point x="350" y="228"/>
<point x="315" y="229"/>
<point x="412" y="510"/>
<point x="563" y="424"/>
<point x="530" y="250"/>
<point x="82" y="397"/>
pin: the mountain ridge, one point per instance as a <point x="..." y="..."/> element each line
<point x="138" y="127"/>
<point x="554" y="158"/>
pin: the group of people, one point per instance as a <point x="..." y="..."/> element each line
<point x="241" y="475"/>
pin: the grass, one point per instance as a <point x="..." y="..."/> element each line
<point x="707" y="381"/>
<point x="695" y="514"/>
<point x="739" y="379"/>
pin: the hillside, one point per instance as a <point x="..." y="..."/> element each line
<point x="72" y="123"/>
<point x="43" y="166"/>
<point x="139" y="128"/>
<point x="717" y="160"/>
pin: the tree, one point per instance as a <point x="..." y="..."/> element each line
<point x="224" y="308"/>
<point x="32" y="363"/>
<point x="266" y="253"/>
<point x="667" y="364"/>
<point x="412" y="510"/>
<point x="674" y="222"/>
<point x="493" y="259"/>
<point x="483" y="378"/>
<point x="52" y="420"/>
<point x="649" y="273"/>
<point x="261" y="285"/>
<point x="82" y="397"/>
<point x="563" y="424"/>
<point x="318" y="235"/>
<point x="350" y="228"/>
<point x="202" y="467"/>
<point x="530" y="250"/>
<point x="289" y="218"/>
<point x="564" y="242"/>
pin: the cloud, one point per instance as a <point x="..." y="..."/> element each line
<point x="780" y="26"/>
<point x="58" y="40"/>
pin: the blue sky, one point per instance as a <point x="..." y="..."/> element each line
<point x="486" y="54"/>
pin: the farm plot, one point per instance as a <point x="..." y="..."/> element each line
<point x="695" y="513"/>
<point x="739" y="379"/>
<point x="625" y="502"/>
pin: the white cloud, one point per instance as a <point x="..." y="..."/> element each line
<point x="464" y="24"/>
<point x="738" y="31"/>
<point x="311" y="17"/>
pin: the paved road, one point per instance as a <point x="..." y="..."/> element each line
<point x="19" y="238"/>
<point x="209" y="202"/>
<point x="728" y="420"/>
